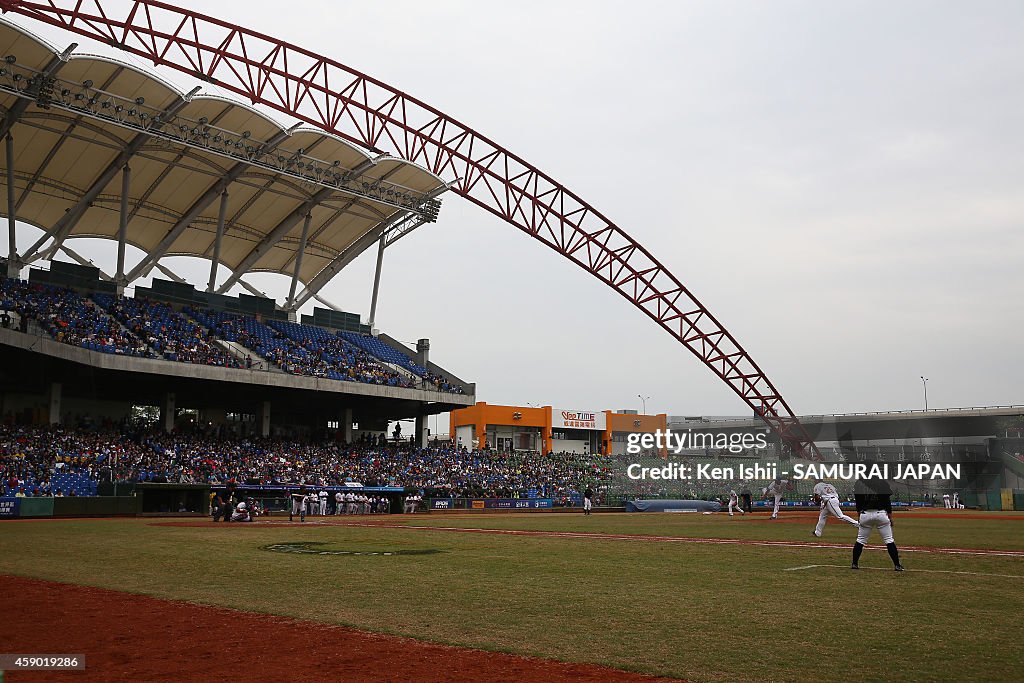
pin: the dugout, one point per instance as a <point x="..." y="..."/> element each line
<point x="181" y="499"/>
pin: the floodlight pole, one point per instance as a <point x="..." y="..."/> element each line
<point x="122" y="233"/>
<point x="12" y="251"/>
<point x="924" y="383"/>
<point x="376" y="279"/>
<point x="221" y="213"/>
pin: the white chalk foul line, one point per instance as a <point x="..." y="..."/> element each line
<point x="924" y="571"/>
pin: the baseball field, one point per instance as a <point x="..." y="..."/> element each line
<point x="452" y="596"/>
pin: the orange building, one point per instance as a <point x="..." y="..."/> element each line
<point x="546" y="429"/>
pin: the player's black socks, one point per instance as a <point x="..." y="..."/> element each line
<point x="894" y="554"/>
<point x="858" y="548"/>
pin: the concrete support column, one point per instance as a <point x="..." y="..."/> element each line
<point x="421" y="430"/>
<point x="298" y="262"/>
<point x="13" y="268"/>
<point x="422" y="352"/>
<point x="265" y="419"/>
<point x="346" y="425"/>
<point x="221" y="214"/>
<point x="168" y="413"/>
<point x="55" y="394"/>
<point x="376" y="280"/>
<point x="122" y="233"/>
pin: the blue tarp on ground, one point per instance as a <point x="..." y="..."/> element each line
<point x="673" y="506"/>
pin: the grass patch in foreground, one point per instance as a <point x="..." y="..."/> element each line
<point x="702" y="612"/>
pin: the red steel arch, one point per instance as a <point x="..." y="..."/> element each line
<point x="343" y="101"/>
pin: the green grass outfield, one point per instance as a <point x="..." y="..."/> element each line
<point x="704" y="612"/>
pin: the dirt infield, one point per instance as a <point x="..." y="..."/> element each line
<point x="138" y="638"/>
<point x="382" y="523"/>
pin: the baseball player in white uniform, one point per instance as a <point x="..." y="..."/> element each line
<point x="241" y="513"/>
<point x="734" y="502"/>
<point x="776" y="489"/>
<point x="945" y="500"/>
<point x="956" y="501"/>
<point x="828" y="497"/>
<point x="323" y="502"/>
<point x="350" y="503"/>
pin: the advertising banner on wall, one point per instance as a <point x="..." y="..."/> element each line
<point x="512" y="503"/>
<point x="577" y="419"/>
<point x="9" y="507"/>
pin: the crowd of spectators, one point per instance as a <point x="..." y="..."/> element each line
<point x="35" y="454"/>
<point x="149" y="329"/>
<point x="389" y="354"/>
<point x="330" y="353"/>
<point x="68" y="318"/>
<point x="166" y="331"/>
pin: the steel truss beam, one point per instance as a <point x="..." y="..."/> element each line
<point x="355" y="106"/>
<point x="197" y="208"/>
<point x="19" y="107"/>
<point x="84" y="261"/>
<point x="346" y="257"/>
<point x="63" y="227"/>
<point x="274" y="236"/>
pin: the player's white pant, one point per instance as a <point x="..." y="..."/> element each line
<point x="831" y="505"/>
<point x="295" y="505"/>
<point x="737" y="506"/>
<point x="775" y="511"/>
<point x="587" y="504"/>
<point x="874" y="519"/>
<point x="339" y="507"/>
<point x="945" y="501"/>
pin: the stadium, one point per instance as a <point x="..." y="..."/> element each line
<point x="203" y="479"/>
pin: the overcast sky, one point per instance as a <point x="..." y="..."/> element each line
<point x="841" y="184"/>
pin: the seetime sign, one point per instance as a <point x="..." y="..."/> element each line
<point x="577" y="419"/>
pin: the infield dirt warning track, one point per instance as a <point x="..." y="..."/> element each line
<point x="128" y="637"/>
<point x="802" y="517"/>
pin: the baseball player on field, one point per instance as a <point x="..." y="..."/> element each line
<point x="298" y="504"/>
<point x="776" y="489"/>
<point x="339" y="503"/>
<point x="323" y="502"/>
<point x="734" y="502"/>
<point x="588" y="500"/>
<point x="874" y="507"/>
<point x="825" y="494"/>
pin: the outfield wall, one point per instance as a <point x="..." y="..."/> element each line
<point x="90" y="506"/>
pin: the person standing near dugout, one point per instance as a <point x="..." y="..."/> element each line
<point x="874" y="507"/>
